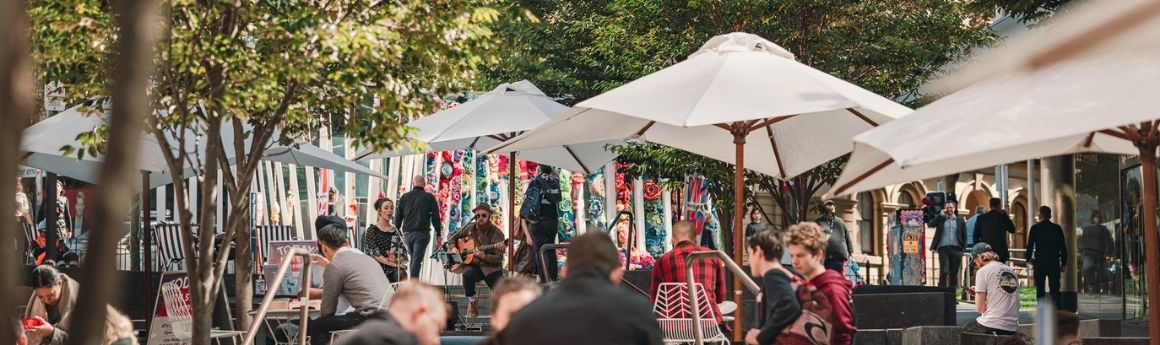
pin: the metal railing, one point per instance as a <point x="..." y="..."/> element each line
<point x="260" y="317"/>
<point x="698" y="333"/>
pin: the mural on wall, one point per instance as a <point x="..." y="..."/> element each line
<point x="595" y="201"/>
<point x="699" y="210"/>
<point x="654" y="222"/>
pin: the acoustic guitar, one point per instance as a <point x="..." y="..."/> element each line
<point x="466" y="247"/>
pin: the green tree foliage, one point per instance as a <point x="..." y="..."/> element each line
<point x="580" y="49"/>
<point x="245" y="74"/>
<point x="1026" y="11"/>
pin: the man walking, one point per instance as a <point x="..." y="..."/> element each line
<point x="993" y="227"/>
<point x="949" y="237"/>
<point x="543" y="191"/>
<point x="1095" y="244"/>
<point x="971" y="222"/>
<point x="1047" y="252"/>
<point x="838" y="247"/>
<point x="416" y="214"/>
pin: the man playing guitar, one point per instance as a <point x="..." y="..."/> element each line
<point x="481" y="244"/>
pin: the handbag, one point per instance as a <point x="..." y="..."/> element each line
<point x="524" y="260"/>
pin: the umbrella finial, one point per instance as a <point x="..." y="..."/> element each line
<point x="741" y="42"/>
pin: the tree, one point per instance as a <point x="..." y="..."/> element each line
<point x="16" y="107"/>
<point x="234" y="77"/>
<point x="890" y="47"/>
<point x="1026" y="11"/>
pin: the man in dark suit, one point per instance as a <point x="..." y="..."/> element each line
<point x="1047" y="252"/>
<point x="993" y="227"/>
<point x="950" y="237"/>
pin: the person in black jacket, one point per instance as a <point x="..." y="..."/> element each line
<point x="838" y="247"/>
<point x="545" y="223"/>
<point x="781" y="305"/>
<point x="415" y="215"/>
<point x="1047" y="252"/>
<point x="950" y="237"/>
<point x="587" y="307"/>
<point x="993" y="227"/>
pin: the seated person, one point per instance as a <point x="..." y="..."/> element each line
<point x="349" y="274"/>
<point x="670" y="268"/>
<point x="56" y="295"/>
<point x="416" y="316"/>
<point x="996" y="293"/>
<point x="489" y="267"/>
<point x="511" y="295"/>
<point x="587" y="307"/>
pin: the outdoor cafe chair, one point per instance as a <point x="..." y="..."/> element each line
<point x="672" y="310"/>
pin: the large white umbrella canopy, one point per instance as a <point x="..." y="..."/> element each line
<point x="795" y="117"/>
<point x="499" y="115"/>
<point x="1086" y="82"/>
<point x="738" y="95"/>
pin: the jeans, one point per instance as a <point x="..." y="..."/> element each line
<point x="950" y="261"/>
<point x="975" y="327"/>
<point x="417" y="242"/>
<point x="1047" y="275"/>
<point x="544" y="232"/>
<point x="1095" y="270"/>
<point x="472" y="274"/>
<point x="319" y="329"/>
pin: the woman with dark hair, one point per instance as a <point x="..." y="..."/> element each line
<point x="55" y="297"/>
<point x="384" y="243"/>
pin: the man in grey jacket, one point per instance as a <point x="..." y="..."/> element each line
<point x="838" y="247"/>
<point x="351" y="275"/>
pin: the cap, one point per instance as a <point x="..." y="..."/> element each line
<point x="323" y="221"/>
<point x="828" y="202"/>
<point x="482" y="207"/>
<point x="980" y="248"/>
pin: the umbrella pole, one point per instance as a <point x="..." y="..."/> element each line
<point x="1152" y="270"/>
<point x="513" y="216"/>
<point x="738" y="213"/>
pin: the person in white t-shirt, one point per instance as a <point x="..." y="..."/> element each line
<point x="996" y="294"/>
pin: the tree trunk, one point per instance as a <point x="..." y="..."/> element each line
<point x="243" y="265"/>
<point x="16" y="107"/>
<point x="136" y="21"/>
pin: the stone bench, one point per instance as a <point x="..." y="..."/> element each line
<point x="1115" y="341"/>
<point x="1087" y="328"/>
<point x="891" y="336"/>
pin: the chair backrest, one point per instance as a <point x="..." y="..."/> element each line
<point x="270" y="233"/>
<point x="672" y="301"/>
<point x="167" y="237"/>
<point x="178" y="310"/>
<point x="29" y="233"/>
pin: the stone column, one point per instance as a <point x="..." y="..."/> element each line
<point x="1057" y="175"/>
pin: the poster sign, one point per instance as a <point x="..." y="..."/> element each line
<point x="292" y="281"/>
<point x="172" y="317"/>
<point x="907" y="259"/>
<point x="910" y="243"/>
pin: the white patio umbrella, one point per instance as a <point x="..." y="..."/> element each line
<point x="42" y="143"/>
<point x="499" y="115"/>
<point x="1084" y="83"/>
<point x="738" y="95"/>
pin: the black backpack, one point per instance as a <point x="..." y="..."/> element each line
<point x="530" y="209"/>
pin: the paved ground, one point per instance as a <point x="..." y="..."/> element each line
<point x="1129" y="328"/>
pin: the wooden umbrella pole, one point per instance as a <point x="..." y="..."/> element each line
<point x="513" y="216"/>
<point x="1147" y="148"/>
<point x="738" y="213"/>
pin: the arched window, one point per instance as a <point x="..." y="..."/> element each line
<point x="867" y="223"/>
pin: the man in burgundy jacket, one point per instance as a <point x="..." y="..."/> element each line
<point x="807" y="243"/>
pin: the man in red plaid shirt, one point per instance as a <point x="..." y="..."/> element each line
<point x="670" y="268"/>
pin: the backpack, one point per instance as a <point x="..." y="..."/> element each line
<point x="813" y="326"/>
<point x="530" y="209"/>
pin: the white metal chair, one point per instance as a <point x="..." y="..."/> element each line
<point x="673" y="314"/>
<point x="178" y="310"/>
<point x="168" y="240"/>
<point x="30" y="241"/>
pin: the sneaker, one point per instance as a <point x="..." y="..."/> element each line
<point x="472" y="309"/>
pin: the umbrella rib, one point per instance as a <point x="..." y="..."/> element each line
<point x="864" y="175"/>
<point x="472" y="146"/>
<point x="776" y="153"/>
<point x="770" y="122"/>
<point x="1112" y="133"/>
<point x="645" y="128"/>
<point x="862" y="116"/>
<point x="1087" y="142"/>
<point x="578" y="161"/>
<point x="1080" y="43"/>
